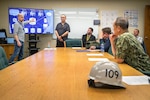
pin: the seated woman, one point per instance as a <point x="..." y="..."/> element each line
<point x="127" y="49"/>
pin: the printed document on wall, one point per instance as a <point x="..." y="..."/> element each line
<point x="108" y="17"/>
<point x="132" y="16"/>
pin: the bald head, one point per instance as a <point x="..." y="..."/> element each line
<point x="63" y="18"/>
<point x="20" y="17"/>
<point x="122" y="22"/>
<point x="120" y="25"/>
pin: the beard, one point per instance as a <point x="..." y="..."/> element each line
<point x="89" y="33"/>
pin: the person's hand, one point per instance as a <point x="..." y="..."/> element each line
<point x="60" y="38"/>
<point x="32" y="20"/>
<point x="112" y="37"/>
<point x="101" y="35"/>
<point x="19" y="43"/>
<point x="92" y="47"/>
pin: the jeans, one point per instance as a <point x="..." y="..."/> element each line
<point x="18" y="51"/>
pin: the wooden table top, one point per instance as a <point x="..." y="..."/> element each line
<point x="62" y="74"/>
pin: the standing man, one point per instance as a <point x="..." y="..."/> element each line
<point x="61" y="31"/>
<point x="19" y="36"/>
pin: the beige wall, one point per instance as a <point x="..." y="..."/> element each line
<point x="118" y="5"/>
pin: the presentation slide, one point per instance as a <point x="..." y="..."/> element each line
<point x="44" y="20"/>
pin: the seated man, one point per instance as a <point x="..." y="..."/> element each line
<point x="140" y="39"/>
<point x="126" y="49"/>
<point x="88" y="37"/>
<point x="136" y="34"/>
<point x="104" y="38"/>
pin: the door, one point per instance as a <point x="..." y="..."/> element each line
<point x="147" y="29"/>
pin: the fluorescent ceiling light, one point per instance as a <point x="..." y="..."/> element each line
<point x="67" y="17"/>
<point x="84" y="17"/>
<point x="57" y="17"/>
<point x="71" y="17"/>
<point x="66" y="12"/>
<point x="87" y="13"/>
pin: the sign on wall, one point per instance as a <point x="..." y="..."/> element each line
<point x="132" y="16"/>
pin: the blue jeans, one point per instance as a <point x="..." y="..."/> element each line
<point x="18" y="51"/>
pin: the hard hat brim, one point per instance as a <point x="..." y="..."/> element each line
<point x="104" y="85"/>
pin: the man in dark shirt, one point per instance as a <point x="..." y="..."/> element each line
<point x="88" y="37"/>
<point x="61" y="31"/>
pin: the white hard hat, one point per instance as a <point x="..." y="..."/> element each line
<point x="106" y="73"/>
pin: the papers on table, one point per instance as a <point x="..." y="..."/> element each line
<point x="136" y="80"/>
<point x="98" y="59"/>
<point x="49" y="48"/>
<point x="76" y="48"/>
<point x="100" y="54"/>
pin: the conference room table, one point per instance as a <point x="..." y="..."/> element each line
<point x="62" y="74"/>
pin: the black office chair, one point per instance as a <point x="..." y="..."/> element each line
<point x="146" y="73"/>
<point x="144" y="47"/>
<point x="3" y="59"/>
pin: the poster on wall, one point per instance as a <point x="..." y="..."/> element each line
<point x="108" y="17"/>
<point x="132" y="16"/>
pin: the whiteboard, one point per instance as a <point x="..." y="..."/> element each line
<point x="79" y="19"/>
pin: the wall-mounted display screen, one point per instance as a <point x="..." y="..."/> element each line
<point x="44" y="20"/>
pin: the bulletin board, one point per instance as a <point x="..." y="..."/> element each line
<point x="132" y="16"/>
<point x="108" y="17"/>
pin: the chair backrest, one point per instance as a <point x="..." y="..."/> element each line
<point x="110" y="51"/>
<point x="144" y="47"/>
<point x="73" y="43"/>
<point x="3" y="59"/>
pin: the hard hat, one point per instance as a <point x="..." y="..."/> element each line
<point x="106" y="74"/>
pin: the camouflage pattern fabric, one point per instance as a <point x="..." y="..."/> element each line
<point x="130" y="49"/>
<point x="91" y="43"/>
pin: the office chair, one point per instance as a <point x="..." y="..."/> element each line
<point x="144" y="47"/>
<point x="110" y="51"/>
<point x="146" y="73"/>
<point x="3" y="59"/>
<point x="73" y="43"/>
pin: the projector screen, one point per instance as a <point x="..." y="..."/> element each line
<point x="44" y="20"/>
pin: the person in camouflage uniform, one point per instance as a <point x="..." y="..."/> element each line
<point x="126" y="48"/>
